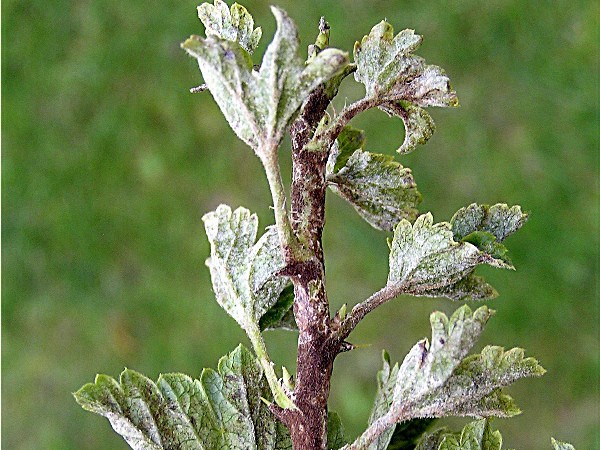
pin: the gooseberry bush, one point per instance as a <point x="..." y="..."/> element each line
<point x="277" y="280"/>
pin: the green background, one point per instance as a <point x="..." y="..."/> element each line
<point x="109" y="164"/>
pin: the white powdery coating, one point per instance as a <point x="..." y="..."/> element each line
<point x="243" y="272"/>
<point x="235" y="25"/>
<point x="425" y="257"/>
<point x="258" y="104"/>
<point x="381" y="190"/>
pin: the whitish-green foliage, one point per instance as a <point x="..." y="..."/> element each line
<point x="380" y="189"/>
<point x="271" y="281"/>
<point x="401" y="82"/>
<point x="221" y="409"/>
<point x="259" y="103"/>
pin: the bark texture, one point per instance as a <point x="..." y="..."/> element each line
<point x="317" y="344"/>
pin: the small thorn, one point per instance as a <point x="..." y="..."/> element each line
<point x="346" y="347"/>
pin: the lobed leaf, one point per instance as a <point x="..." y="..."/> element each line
<point x="439" y="259"/>
<point x="557" y="445"/>
<point x="476" y="435"/>
<point x="235" y="24"/>
<point x="243" y="272"/>
<point x="401" y="82"/>
<point x="426" y="260"/>
<point x="397" y="437"/>
<point x="500" y="220"/>
<point x="245" y="278"/>
<point x="259" y="104"/>
<point x="437" y="379"/>
<point x="381" y="190"/>
<point x="222" y="409"/>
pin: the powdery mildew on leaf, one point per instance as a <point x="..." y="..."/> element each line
<point x="500" y="220"/>
<point x="235" y="24"/>
<point x="425" y="258"/>
<point x="244" y="277"/>
<point x="243" y="272"/>
<point x="557" y="445"/>
<point x="380" y="189"/>
<point x="259" y="104"/>
<point x="221" y="410"/>
<point x="437" y="379"/>
<point x="433" y="260"/>
<point x="386" y="382"/>
<point x="476" y="435"/>
<point x="401" y="82"/>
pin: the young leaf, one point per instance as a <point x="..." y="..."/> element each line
<point x="400" y="82"/>
<point x="436" y="380"/>
<point x="244" y="276"/>
<point x="258" y="104"/>
<point x="222" y="409"/>
<point x="500" y="220"/>
<point x="476" y="435"/>
<point x="281" y="314"/>
<point x="397" y="437"/>
<point x="243" y="272"/>
<point x="381" y="190"/>
<point x="235" y="24"/>
<point x="386" y="382"/>
<point x="426" y="260"/>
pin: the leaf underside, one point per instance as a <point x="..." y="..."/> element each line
<point x="259" y="103"/>
<point x="381" y="190"/>
<point x="438" y="379"/>
<point x="402" y="83"/>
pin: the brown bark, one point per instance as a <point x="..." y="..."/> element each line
<point x="317" y="344"/>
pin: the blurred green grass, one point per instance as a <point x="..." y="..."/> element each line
<point x="109" y="163"/>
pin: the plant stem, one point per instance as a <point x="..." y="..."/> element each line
<point x="359" y="311"/>
<point x="287" y="239"/>
<point x="279" y="395"/>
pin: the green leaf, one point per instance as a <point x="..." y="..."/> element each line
<point x="382" y="191"/>
<point x="500" y="220"/>
<point x="281" y="314"/>
<point x="407" y="434"/>
<point x="487" y="243"/>
<point x="401" y="82"/>
<point x="335" y="431"/>
<point x="427" y="259"/>
<point x="259" y="104"/>
<point x="244" y="276"/>
<point x="348" y="141"/>
<point x="243" y="272"/>
<point x="222" y="409"/>
<point x="235" y="24"/>
<point x="561" y="445"/>
<point x="476" y="435"/>
<point x="418" y="124"/>
<point x="437" y="379"/>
